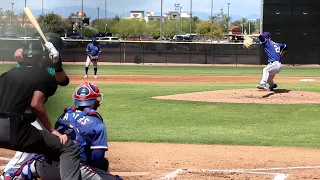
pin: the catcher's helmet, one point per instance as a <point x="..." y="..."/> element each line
<point x="87" y="94"/>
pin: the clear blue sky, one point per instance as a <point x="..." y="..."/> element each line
<point x="237" y="7"/>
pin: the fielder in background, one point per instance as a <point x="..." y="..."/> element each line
<point x="275" y="52"/>
<point x="62" y="80"/>
<point x="93" y="53"/>
<point x="23" y="93"/>
<point x="85" y="126"/>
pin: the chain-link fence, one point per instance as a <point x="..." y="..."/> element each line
<point x="150" y="52"/>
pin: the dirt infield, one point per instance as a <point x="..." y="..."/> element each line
<point x="169" y="79"/>
<point x="146" y="161"/>
<point x="278" y="96"/>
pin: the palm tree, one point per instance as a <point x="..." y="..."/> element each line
<point x="244" y="22"/>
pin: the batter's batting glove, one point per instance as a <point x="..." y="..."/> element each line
<point x="58" y="65"/>
<point x="53" y="53"/>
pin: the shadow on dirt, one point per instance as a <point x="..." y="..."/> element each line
<point x="276" y="91"/>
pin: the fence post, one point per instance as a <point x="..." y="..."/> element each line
<point x="212" y="51"/>
<point x="189" y="53"/>
<point x="120" y="52"/>
<point x="143" y="44"/>
<point x="74" y="53"/>
<point x="166" y="53"/>
<point x="124" y="53"/>
<point x="236" y="55"/>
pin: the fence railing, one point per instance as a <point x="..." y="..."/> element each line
<point x="151" y="52"/>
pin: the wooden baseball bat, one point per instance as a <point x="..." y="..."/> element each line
<point x="34" y="22"/>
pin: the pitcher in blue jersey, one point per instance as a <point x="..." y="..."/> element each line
<point x="93" y="53"/>
<point x="85" y="126"/>
<point x="274" y="51"/>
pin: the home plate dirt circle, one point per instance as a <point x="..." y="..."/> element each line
<point x="253" y="95"/>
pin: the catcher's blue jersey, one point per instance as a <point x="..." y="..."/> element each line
<point x="86" y="129"/>
<point x="93" y="50"/>
<point x="272" y="49"/>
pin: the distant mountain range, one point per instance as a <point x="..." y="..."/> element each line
<point x="93" y="13"/>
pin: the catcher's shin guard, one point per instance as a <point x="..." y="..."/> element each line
<point x="25" y="171"/>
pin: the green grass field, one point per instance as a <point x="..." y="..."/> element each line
<point x="186" y="70"/>
<point x="131" y="114"/>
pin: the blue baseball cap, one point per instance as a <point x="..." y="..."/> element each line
<point x="266" y="34"/>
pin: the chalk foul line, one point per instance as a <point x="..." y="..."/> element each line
<point x="277" y="176"/>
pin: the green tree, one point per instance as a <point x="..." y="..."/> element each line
<point x="89" y="31"/>
<point x="208" y="30"/>
<point x="104" y="25"/>
<point x="169" y="28"/>
<point x="153" y="29"/>
<point x="129" y="28"/>
<point x="258" y="21"/>
<point x="53" y="23"/>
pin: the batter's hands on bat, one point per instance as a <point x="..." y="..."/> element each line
<point x="63" y="138"/>
<point x="53" y="53"/>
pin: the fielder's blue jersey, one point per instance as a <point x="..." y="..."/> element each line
<point x="272" y="49"/>
<point x="93" y="50"/>
<point x="86" y="129"/>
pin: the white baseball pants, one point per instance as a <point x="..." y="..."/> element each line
<point x="269" y="72"/>
<point x="21" y="157"/>
<point x="88" y="62"/>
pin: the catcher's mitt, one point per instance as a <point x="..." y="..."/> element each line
<point x="248" y="41"/>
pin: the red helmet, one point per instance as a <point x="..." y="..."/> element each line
<point x="87" y="94"/>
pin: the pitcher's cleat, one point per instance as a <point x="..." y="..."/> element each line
<point x="273" y="87"/>
<point x="263" y="87"/>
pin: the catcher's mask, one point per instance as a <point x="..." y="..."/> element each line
<point x="87" y="94"/>
<point x="33" y="53"/>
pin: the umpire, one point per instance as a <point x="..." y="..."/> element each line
<point x="29" y="86"/>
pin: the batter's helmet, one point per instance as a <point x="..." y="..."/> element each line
<point x="87" y="94"/>
<point x="34" y="50"/>
<point x="33" y="53"/>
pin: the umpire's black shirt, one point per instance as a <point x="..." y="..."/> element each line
<point x="18" y="85"/>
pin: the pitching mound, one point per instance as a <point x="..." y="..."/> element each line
<point x="279" y="96"/>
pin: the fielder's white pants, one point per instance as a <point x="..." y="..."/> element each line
<point x="269" y="72"/>
<point x="88" y="62"/>
<point x="21" y="157"/>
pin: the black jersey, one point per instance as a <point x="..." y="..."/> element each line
<point x="18" y="85"/>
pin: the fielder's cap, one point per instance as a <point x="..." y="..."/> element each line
<point x="266" y="34"/>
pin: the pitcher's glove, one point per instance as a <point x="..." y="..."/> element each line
<point x="94" y="58"/>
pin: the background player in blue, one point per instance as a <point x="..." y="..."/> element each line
<point x="93" y="53"/>
<point x="274" y="51"/>
<point x="84" y="125"/>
